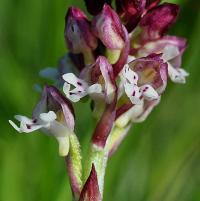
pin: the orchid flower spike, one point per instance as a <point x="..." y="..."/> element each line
<point x="53" y="115"/>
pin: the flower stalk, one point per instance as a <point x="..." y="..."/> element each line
<point x="120" y="63"/>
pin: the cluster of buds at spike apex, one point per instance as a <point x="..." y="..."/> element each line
<point x="123" y="60"/>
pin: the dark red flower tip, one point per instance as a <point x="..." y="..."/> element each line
<point x="90" y="190"/>
<point x="78" y="33"/>
<point x="152" y="3"/>
<point x="158" y="20"/>
<point x="108" y="28"/>
<point x="130" y="12"/>
<point x="94" y="7"/>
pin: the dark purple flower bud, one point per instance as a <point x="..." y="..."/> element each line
<point x="90" y="190"/>
<point x="78" y="34"/>
<point x="108" y="28"/>
<point x="151" y="3"/>
<point x="157" y="21"/>
<point x="94" y="7"/>
<point x="130" y="12"/>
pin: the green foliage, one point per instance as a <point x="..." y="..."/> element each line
<point x="159" y="160"/>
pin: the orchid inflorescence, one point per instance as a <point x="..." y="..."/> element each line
<point x="121" y="62"/>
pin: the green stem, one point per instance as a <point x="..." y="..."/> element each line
<point x="74" y="166"/>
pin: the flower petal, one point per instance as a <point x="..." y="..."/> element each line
<point x="48" y="117"/>
<point x="177" y="75"/>
<point x="129" y="75"/>
<point x="27" y="125"/>
<point x="80" y="87"/>
<point x="170" y="52"/>
<point x="147" y="109"/>
<point x="133" y="92"/>
<point x="63" y="145"/>
<point x="149" y="92"/>
<point x="94" y="89"/>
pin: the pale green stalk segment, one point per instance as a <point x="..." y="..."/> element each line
<point x="75" y="155"/>
<point x="116" y="137"/>
<point x="112" y="55"/>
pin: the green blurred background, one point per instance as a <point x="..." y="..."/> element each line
<point x="159" y="160"/>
